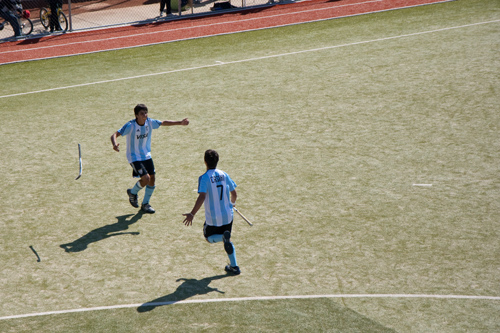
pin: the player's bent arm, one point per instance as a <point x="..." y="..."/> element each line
<point x="113" y="141"/>
<point x="234" y="196"/>
<point x="184" y="122"/>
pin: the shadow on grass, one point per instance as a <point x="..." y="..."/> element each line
<point x="188" y="288"/>
<point x="338" y="317"/>
<point x="101" y="233"/>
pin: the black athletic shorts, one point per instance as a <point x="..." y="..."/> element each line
<point x="209" y="230"/>
<point x="140" y="168"/>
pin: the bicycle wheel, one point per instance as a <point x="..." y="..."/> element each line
<point x="26" y="26"/>
<point x="63" y="21"/>
<point x="44" y="17"/>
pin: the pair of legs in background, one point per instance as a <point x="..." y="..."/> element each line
<point x="54" y="17"/>
<point x="162" y="7"/>
<point x="146" y="171"/>
<point x="223" y="234"/>
<point x="11" y="17"/>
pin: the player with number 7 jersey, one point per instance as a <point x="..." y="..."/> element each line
<point x="217" y="185"/>
<point x="217" y="192"/>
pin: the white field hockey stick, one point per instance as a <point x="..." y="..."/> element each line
<point x="80" y="157"/>
<point x="242" y="216"/>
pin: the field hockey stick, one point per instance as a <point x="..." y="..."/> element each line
<point x="80" y="158"/>
<point x="37" y="256"/>
<point x="243" y="217"/>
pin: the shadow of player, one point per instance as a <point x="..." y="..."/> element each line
<point x="104" y="232"/>
<point x="188" y="288"/>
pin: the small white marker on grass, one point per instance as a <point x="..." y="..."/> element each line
<point x="423" y="185"/>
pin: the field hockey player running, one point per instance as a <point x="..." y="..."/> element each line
<point x="217" y="192"/>
<point x="138" y="132"/>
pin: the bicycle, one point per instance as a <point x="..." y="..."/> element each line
<point x="24" y="22"/>
<point x="61" y="18"/>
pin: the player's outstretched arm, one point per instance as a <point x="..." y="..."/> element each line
<point x="183" y="122"/>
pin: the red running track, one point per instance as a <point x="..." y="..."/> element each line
<point x="187" y="28"/>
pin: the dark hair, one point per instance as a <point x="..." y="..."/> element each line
<point x="211" y="158"/>
<point x="139" y="107"/>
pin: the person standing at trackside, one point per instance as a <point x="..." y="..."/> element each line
<point x="8" y="10"/>
<point x="217" y="192"/>
<point x="54" y="17"/>
<point x="162" y="7"/>
<point x="138" y="132"/>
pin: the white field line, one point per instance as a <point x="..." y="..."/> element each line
<point x="259" y="298"/>
<point x="239" y="21"/>
<point x="253" y="59"/>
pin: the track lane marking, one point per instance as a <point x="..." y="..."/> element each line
<point x="238" y="21"/>
<point x="222" y="33"/>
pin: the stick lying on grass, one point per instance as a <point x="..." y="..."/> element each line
<point x="80" y="158"/>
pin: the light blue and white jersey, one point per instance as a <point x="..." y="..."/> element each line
<point x="139" y="139"/>
<point x="217" y="185"/>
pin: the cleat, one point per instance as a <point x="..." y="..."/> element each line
<point x="232" y="270"/>
<point x="147" y="208"/>
<point x="132" y="198"/>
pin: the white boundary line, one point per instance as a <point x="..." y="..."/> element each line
<point x="259" y="298"/>
<point x="253" y="59"/>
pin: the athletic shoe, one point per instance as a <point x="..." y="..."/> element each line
<point x="232" y="270"/>
<point x="132" y="198"/>
<point x="147" y="208"/>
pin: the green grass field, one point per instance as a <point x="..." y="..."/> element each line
<point x="325" y="127"/>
